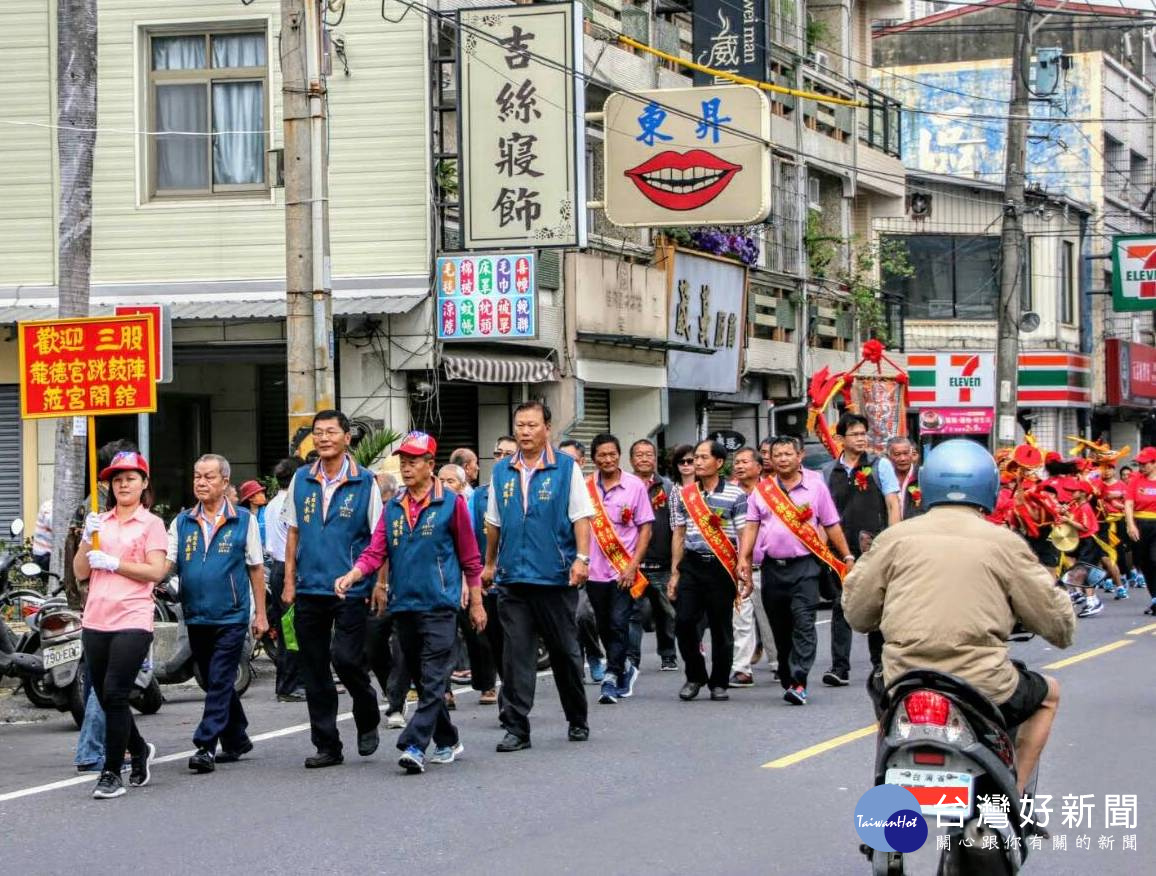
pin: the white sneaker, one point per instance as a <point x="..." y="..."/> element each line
<point x="447" y="754"/>
<point x="1092" y="607"/>
<point x="395" y="720"/>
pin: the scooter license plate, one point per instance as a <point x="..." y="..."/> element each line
<point x="939" y="792"/>
<point x="58" y="655"/>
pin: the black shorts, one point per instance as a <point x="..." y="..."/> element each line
<point x="1089" y="552"/>
<point x="1026" y="699"/>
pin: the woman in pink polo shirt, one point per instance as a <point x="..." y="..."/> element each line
<point x="118" y="616"/>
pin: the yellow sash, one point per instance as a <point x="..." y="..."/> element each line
<point x="712" y="533"/>
<point x="609" y="542"/>
<point x="789" y="515"/>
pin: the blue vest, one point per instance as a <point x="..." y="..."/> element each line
<point x="329" y="545"/>
<point x="214" y="576"/>
<point x="424" y="570"/>
<point x="478" y="502"/>
<point x="536" y="545"/>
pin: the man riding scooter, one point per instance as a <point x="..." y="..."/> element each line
<point x="947" y="588"/>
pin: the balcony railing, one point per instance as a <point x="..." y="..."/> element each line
<point x="880" y="122"/>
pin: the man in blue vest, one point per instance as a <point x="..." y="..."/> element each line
<point x="332" y="510"/>
<point x="426" y="535"/>
<point x="538" y="553"/>
<point x="215" y="549"/>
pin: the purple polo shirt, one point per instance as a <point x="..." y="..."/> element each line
<point x="774" y="539"/>
<point x="629" y="492"/>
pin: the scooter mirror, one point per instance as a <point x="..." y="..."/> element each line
<point x="30" y="570"/>
<point x="16" y="527"/>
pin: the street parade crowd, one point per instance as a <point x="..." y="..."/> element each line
<point x="439" y="580"/>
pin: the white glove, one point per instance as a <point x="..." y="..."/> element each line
<point x="102" y="561"/>
<point x="91" y="525"/>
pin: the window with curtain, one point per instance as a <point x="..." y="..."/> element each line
<point x="208" y="106"/>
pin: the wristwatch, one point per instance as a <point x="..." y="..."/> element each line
<point x="583" y="558"/>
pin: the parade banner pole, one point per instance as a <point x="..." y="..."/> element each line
<point x="94" y="502"/>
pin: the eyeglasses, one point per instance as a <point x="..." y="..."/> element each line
<point x="327" y="433"/>
<point x="862" y="434"/>
<point x="687" y="461"/>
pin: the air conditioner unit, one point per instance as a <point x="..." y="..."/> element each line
<point x="821" y="59"/>
<point x="919" y="205"/>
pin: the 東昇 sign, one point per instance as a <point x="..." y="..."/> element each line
<point x="486" y="297"/>
<point x="522" y="126"/>
<point x="87" y="367"/>
<point x="688" y="156"/>
<point x="1133" y="272"/>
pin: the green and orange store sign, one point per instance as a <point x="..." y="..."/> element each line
<point x="954" y="379"/>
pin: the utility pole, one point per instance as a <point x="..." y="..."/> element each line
<point x="308" y="288"/>
<point x="1012" y="240"/>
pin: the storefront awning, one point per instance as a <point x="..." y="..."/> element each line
<point x="498" y="368"/>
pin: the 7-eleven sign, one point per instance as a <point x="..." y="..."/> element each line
<point x="951" y="380"/>
<point x="1134" y="272"/>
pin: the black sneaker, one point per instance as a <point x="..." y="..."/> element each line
<point x="232" y="756"/>
<point x="510" y="742"/>
<point x="669" y="664"/>
<point x="108" y="786"/>
<point x="367" y="742"/>
<point x="139" y="774"/>
<point x="577" y="733"/>
<point x="831" y="678"/>
<point x="203" y="761"/>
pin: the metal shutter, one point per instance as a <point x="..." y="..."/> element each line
<point x="451" y="417"/>
<point x="10" y="458"/>
<point x="595" y="419"/>
<point x="720" y="419"/>
<point x="272" y="415"/>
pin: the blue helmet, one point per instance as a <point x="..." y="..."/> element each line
<point x="959" y="472"/>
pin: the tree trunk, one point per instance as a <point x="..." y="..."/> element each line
<point x="75" y="142"/>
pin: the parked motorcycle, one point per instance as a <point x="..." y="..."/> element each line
<point x="179" y="666"/>
<point x="945" y="741"/>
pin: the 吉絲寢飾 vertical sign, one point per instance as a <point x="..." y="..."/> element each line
<point x="730" y="35"/>
<point x="521" y="122"/>
<point x="688" y="156"/>
<point x="486" y="297"/>
<point x="87" y="367"/>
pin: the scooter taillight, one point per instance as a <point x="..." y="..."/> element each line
<point x="55" y="625"/>
<point x="927" y="707"/>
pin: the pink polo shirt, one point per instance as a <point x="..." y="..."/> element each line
<point x="629" y="492"/>
<point x="774" y="539"/>
<point x="114" y="601"/>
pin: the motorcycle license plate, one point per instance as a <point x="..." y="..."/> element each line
<point x="939" y="792"/>
<point x="58" y="655"/>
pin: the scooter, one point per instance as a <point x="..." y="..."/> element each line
<point x="947" y="743"/>
<point x="179" y="666"/>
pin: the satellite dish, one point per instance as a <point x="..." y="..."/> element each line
<point x="1029" y="322"/>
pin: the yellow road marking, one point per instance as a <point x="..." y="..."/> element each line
<point x="1095" y="652"/>
<point x="791" y="759"/>
<point x="1141" y="630"/>
<point x="823" y="747"/>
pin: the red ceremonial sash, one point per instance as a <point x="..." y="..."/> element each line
<point x="712" y="533"/>
<point x="609" y="542"/>
<point x="788" y="514"/>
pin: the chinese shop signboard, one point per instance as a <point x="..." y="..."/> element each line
<point x="87" y="367"/>
<point x="729" y="35"/>
<point x="521" y="114"/>
<point x="707" y="309"/>
<point x="486" y="297"/>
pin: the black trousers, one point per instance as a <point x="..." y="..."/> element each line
<point x="612" y="608"/>
<point x="218" y="650"/>
<point x="386" y="660"/>
<point x="588" y="628"/>
<point x="427" y="643"/>
<point x="1144" y="553"/>
<point x="790" y="598"/>
<point x="483" y="670"/>
<point x="528" y="611"/>
<point x="493" y="633"/>
<point x="114" y="659"/>
<point x="661" y="612"/>
<point x="333" y="630"/>
<point x="705" y="589"/>
<point x="288" y="676"/>
<point x="841" y="638"/>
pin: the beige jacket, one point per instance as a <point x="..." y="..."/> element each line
<point x="945" y="590"/>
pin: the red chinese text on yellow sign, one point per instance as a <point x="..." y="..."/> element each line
<point x="87" y="367"/>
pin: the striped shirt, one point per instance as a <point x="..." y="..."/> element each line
<point x="727" y="500"/>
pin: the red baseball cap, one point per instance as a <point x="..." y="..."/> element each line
<point x="417" y="444"/>
<point x="128" y="460"/>
<point x="1052" y="456"/>
<point x="249" y="489"/>
<point x="1148" y="454"/>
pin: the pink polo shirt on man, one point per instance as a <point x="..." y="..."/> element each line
<point x="629" y="492"/>
<point x="774" y="539"/>
<point x="114" y="601"/>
